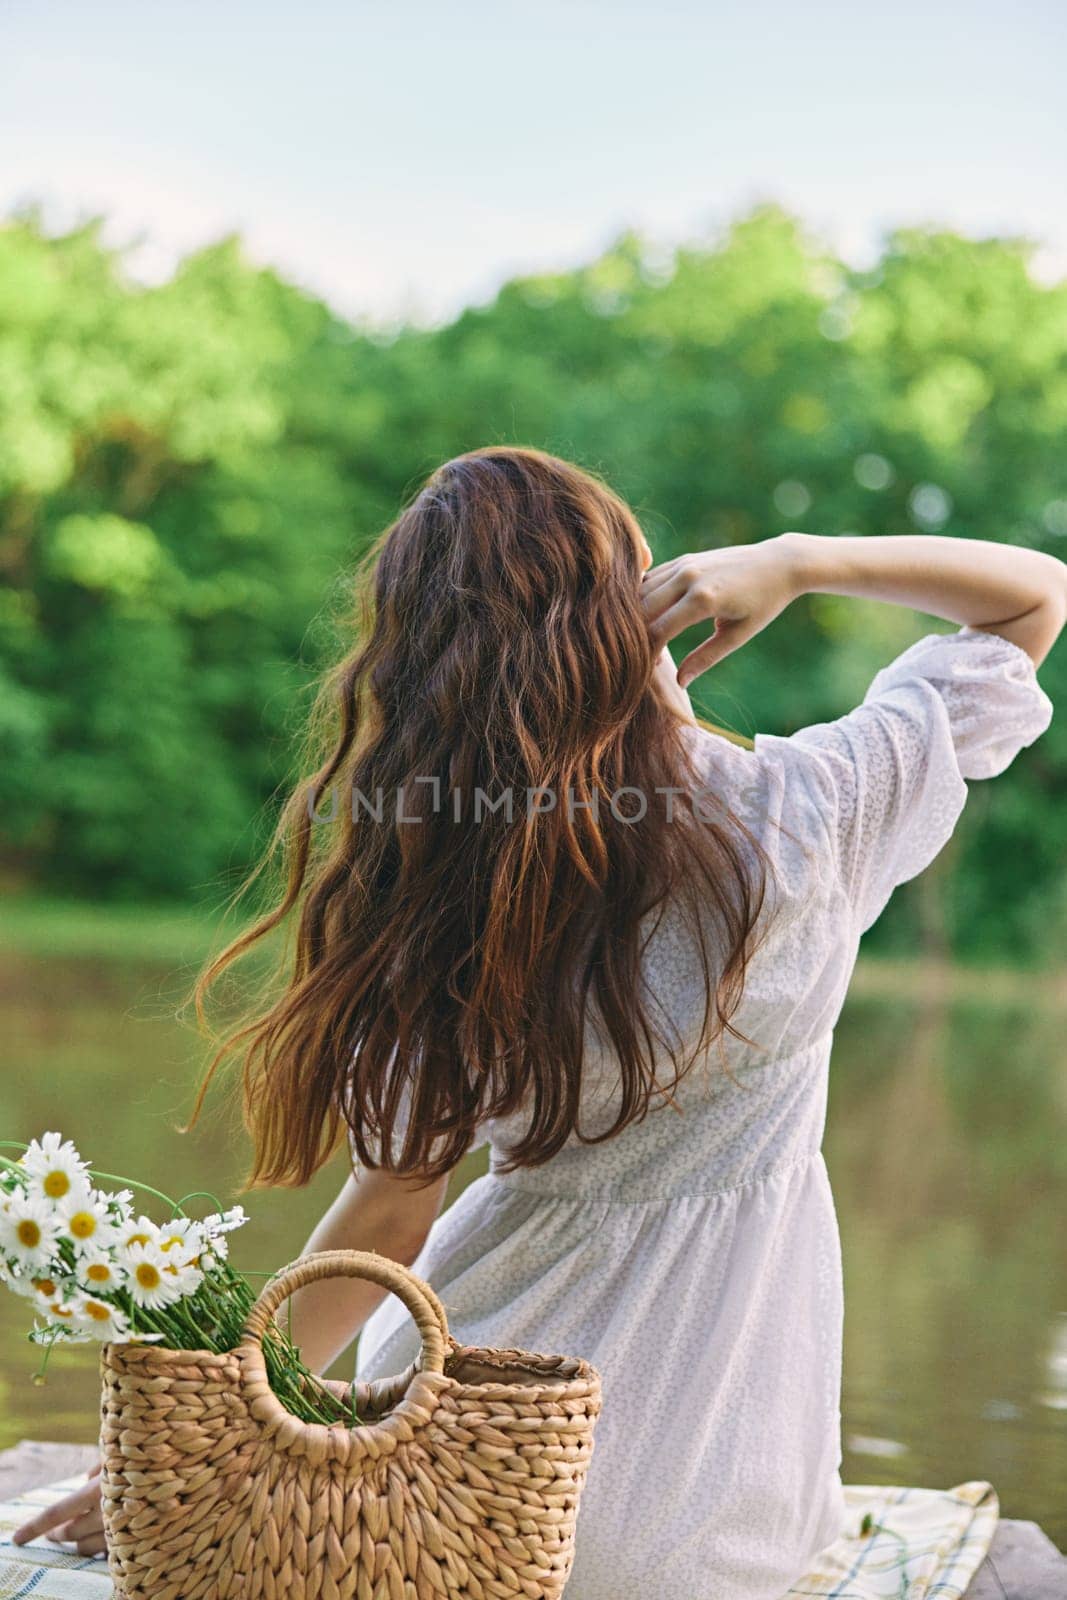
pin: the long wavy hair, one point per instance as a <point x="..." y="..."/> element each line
<point x="444" y="969"/>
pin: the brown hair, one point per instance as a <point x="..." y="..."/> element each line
<point x="447" y="966"/>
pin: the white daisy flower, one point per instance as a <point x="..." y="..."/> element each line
<point x="182" y="1239"/>
<point x="28" y="1230"/>
<point x="61" y="1309"/>
<point x="85" y="1222"/>
<point x="217" y="1226"/>
<point x="119" y="1204"/>
<point x="147" y="1278"/>
<point x="54" y="1168"/>
<point x="224" y="1221"/>
<point x="135" y="1231"/>
<point x="97" y="1272"/>
<point x="51" y="1332"/>
<point x="100" y="1319"/>
<point x="20" y="1283"/>
<point x="186" y="1274"/>
<point x="46" y="1291"/>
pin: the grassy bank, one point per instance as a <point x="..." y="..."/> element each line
<point x="157" y="935"/>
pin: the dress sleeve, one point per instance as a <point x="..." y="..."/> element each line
<point x="887" y="780"/>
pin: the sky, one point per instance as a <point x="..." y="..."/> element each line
<point x="402" y="159"/>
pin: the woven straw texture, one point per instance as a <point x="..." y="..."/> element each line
<point x="464" y="1479"/>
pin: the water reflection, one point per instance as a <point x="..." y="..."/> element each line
<point x="1056" y="1365"/>
<point x="946" y="1144"/>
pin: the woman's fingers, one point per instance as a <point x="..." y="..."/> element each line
<point x="655" y="577"/>
<point x="657" y="596"/>
<point x="84" y="1532"/>
<point x="89" y="1523"/>
<point x="683" y="593"/>
<point x="87" y="1540"/>
<point x="728" y="636"/>
<point x="740" y="588"/>
<point x="690" y="607"/>
<point x="72" y="1508"/>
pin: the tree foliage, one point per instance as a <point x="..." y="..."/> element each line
<point x="187" y="472"/>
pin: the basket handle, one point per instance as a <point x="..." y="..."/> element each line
<point x="425" y="1307"/>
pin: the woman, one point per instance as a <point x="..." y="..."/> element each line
<point x="625" y="980"/>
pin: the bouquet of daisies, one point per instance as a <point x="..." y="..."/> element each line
<point x="93" y="1267"/>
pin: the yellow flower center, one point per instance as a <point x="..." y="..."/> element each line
<point x="44" y="1286"/>
<point x="28" y="1233"/>
<point x="56" y="1185"/>
<point x="137" y="1238"/>
<point x="174" y="1238"/>
<point x="82" y="1224"/>
<point x="98" y="1312"/>
<point x="99" y="1272"/>
<point x="147" y="1275"/>
<point x="61" y="1311"/>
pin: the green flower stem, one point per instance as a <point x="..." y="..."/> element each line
<point x="214" y="1319"/>
<point x="39" y="1376"/>
<point x="132" y="1183"/>
<point x="198" y="1194"/>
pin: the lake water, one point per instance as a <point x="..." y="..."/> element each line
<point x="947" y="1146"/>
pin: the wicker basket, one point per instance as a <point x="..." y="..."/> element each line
<point x="463" y="1480"/>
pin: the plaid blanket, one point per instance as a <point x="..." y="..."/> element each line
<point x="902" y="1544"/>
<point x="905" y="1544"/>
<point x="42" y="1570"/>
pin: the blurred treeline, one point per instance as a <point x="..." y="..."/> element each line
<point x="188" y="471"/>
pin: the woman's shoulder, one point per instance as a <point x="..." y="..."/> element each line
<point x="973" y="693"/>
<point x="884" y="785"/>
<point x="778" y="800"/>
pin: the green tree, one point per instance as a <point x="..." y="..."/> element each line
<point x="188" y="471"/>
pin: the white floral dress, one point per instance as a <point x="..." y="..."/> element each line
<point x="694" y="1259"/>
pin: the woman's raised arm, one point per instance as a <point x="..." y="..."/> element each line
<point x="1017" y="593"/>
<point x="1007" y="589"/>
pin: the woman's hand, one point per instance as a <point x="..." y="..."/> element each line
<point x="76" y="1519"/>
<point x="741" y="588"/>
